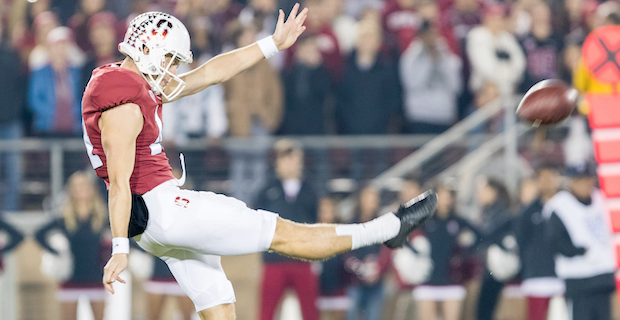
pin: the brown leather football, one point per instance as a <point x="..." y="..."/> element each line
<point x="547" y="102"/>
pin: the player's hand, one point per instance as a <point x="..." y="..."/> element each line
<point x="287" y="32"/>
<point x="113" y="269"/>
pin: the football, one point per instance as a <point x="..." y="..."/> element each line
<point x="547" y="102"/>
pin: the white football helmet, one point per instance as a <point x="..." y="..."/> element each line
<point x="162" y="34"/>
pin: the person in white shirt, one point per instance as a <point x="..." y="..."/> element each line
<point x="495" y="55"/>
<point x="431" y="78"/>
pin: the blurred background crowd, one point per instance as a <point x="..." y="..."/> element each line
<point x="426" y="63"/>
<point x="375" y="79"/>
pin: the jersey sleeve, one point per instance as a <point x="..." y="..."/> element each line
<point x="113" y="89"/>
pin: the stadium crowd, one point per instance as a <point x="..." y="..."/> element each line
<point x="363" y="67"/>
<point x="425" y="63"/>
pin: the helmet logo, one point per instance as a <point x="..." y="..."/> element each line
<point x="161" y="28"/>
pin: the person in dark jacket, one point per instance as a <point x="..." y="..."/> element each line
<point x="333" y="301"/>
<point x="13" y="93"/>
<point x="83" y="223"/>
<point x="443" y="232"/>
<point x="368" y="266"/>
<point x="542" y="47"/>
<point x="369" y="94"/>
<point x="540" y="282"/>
<point x="306" y="88"/>
<point x="368" y="98"/>
<point x="494" y="225"/>
<point x="293" y="197"/>
<point x="580" y="236"/>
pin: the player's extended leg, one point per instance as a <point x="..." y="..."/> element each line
<point x="308" y="241"/>
<point x="320" y="241"/>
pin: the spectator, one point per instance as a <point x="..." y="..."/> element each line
<point x="66" y="8"/>
<point x="459" y="19"/>
<point x="292" y="197"/>
<point x="410" y="189"/>
<point x="320" y="24"/>
<point x="519" y="20"/>
<point x="333" y="302"/>
<point x="254" y="108"/>
<point x="606" y="14"/>
<point x="54" y="92"/>
<point x="400" y="21"/>
<point x="368" y="266"/>
<point x="21" y="27"/>
<point x="344" y="26"/>
<point x="368" y="96"/>
<point x="223" y="12"/>
<point x="443" y="232"/>
<point x="495" y="55"/>
<point x="358" y="8"/>
<point x="463" y="16"/>
<point x="102" y="36"/>
<point x="429" y="10"/>
<point x="493" y="196"/>
<point x="259" y="109"/>
<point x="79" y="22"/>
<point x="540" y="283"/>
<point x="12" y="91"/>
<point x="262" y="14"/>
<point x="569" y="16"/>
<point x="528" y="193"/>
<point x="42" y="25"/>
<point x="162" y="286"/>
<point x="83" y="224"/>
<point x="495" y="201"/>
<point x="580" y="237"/>
<point x="306" y="89"/>
<point x="430" y="75"/>
<point x="542" y="48"/>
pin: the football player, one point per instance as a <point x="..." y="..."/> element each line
<point x="190" y="230"/>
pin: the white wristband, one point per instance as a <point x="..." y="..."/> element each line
<point x="120" y="245"/>
<point x="267" y="46"/>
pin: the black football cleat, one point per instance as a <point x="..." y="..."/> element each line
<point x="412" y="215"/>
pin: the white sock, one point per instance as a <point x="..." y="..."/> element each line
<point x="378" y="230"/>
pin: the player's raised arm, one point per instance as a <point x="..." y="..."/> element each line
<point x="120" y="127"/>
<point x="227" y="65"/>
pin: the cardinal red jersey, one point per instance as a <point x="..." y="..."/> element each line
<point x="111" y="86"/>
